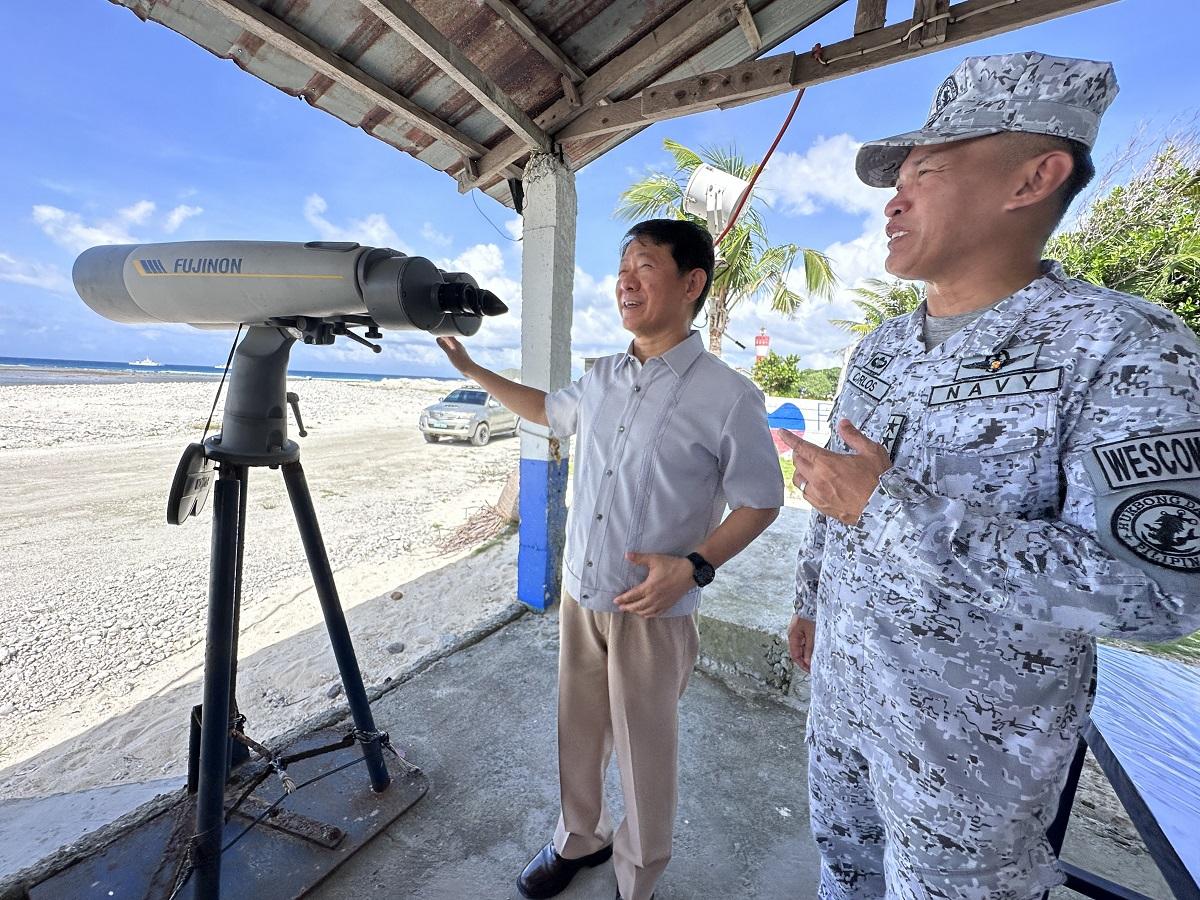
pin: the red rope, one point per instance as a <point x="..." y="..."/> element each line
<point x="762" y="165"/>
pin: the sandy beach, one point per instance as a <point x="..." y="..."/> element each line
<point x="103" y="605"/>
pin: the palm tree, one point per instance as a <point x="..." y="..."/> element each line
<point x="881" y="300"/>
<point x="752" y="266"/>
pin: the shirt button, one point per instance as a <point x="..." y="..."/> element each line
<point x="599" y="516"/>
<point x="637" y="389"/>
<point x="620" y="428"/>
<point x="589" y="563"/>
<point x="609" y="472"/>
<point x="586" y="597"/>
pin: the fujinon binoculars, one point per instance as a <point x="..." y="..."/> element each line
<point x="221" y="284"/>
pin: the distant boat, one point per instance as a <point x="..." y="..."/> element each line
<point x="145" y="362"/>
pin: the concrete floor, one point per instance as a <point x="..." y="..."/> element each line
<point x="481" y="724"/>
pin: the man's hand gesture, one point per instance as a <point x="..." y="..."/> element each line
<point x="838" y="484"/>
<point x="669" y="578"/>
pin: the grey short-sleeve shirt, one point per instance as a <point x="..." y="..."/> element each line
<point x="662" y="449"/>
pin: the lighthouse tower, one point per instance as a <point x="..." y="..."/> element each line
<point x="762" y="344"/>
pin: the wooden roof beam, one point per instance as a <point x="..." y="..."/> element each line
<point x="286" y="39"/>
<point x="417" y="30"/>
<point x="720" y="88"/>
<point x="532" y="35"/>
<point x="690" y="26"/>
<point x="968" y="21"/>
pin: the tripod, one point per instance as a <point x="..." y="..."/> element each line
<point x="253" y="434"/>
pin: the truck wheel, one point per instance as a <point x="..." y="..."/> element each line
<point x="429" y="438"/>
<point x="481" y="435"/>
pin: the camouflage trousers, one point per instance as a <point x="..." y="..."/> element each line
<point x="887" y="831"/>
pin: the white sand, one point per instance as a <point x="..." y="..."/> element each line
<point x="103" y="605"/>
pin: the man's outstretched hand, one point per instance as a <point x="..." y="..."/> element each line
<point x="456" y="353"/>
<point x="838" y="484"/>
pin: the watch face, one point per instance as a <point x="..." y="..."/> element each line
<point x="702" y="571"/>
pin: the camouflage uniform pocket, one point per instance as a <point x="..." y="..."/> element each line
<point x="998" y="454"/>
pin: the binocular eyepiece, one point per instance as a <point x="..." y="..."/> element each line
<point x="215" y="284"/>
<point x="465" y="299"/>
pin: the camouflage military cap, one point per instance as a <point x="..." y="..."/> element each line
<point x="1028" y="92"/>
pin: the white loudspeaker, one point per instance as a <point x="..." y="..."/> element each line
<point x="713" y="195"/>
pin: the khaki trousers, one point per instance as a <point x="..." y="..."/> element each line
<point x="620" y="677"/>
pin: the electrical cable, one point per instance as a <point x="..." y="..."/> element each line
<point x="759" y="170"/>
<point x="220" y="386"/>
<point x="507" y="237"/>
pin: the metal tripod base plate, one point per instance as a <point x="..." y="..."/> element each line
<point x="266" y="864"/>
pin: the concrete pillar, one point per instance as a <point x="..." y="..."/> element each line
<point x="547" y="288"/>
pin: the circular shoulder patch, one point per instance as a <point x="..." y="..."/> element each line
<point x="1162" y="527"/>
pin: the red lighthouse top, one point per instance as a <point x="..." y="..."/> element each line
<point x="761" y="342"/>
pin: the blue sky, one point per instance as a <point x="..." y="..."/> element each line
<point x="122" y="131"/>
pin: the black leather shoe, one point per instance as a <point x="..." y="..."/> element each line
<point x="548" y="873"/>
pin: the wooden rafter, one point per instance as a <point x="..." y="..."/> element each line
<point x="689" y="27"/>
<point x="968" y="21"/>
<point x="532" y="35"/>
<point x="300" y="47"/>
<point x="932" y="17"/>
<point x="869" y="15"/>
<point x="746" y="19"/>
<point x="417" y="30"/>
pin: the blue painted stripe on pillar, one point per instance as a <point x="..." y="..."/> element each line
<point x="543" y="509"/>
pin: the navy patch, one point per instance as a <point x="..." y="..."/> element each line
<point x="1161" y="527"/>
<point x="893" y="433"/>
<point x="1174" y="456"/>
<point x="998" y="386"/>
<point x="870" y="384"/>
<point x="1007" y="361"/>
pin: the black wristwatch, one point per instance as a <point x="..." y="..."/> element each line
<point x="703" y="573"/>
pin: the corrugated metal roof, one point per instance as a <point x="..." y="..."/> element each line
<point x="349" y="62"/>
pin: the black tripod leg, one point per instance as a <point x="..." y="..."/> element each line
<point x="335" y="619"/>
<point x="218" y="669"/>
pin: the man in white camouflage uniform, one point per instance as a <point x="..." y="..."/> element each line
<point x="1016" y="470"/>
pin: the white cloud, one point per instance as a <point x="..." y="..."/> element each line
<point x="72" y="231"/>
<point x="431" y="235"/>
<point x="515" y="227"/>
<point x="804" y="184"/>
<point x="486" y="263"/>
<point x="809" y="333"/>
<point x="373" y="229"/>
<point x="68" y="229"/>
<point x="596" y="326"/>
<point x="138" y="213"/>
<point x="179" y="215"/>
<point x="33" y="274"/>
